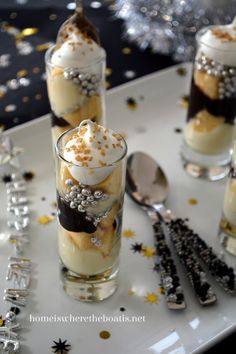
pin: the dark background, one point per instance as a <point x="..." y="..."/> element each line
<point x="25" y="103"/>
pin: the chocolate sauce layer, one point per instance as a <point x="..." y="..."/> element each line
<point x="199" y="101"/>
<point x="60" y="122"/>
<point x="72" y="219"/>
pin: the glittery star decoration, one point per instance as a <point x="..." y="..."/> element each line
<point x="61" y="347"/>
<point x="44" y="220"/>
<point x="128" y="233"/>
<point x="184" y="101"/>
<point x="152" y="298"/>
<point x="28" y="175"/>
<point x="137" y="247"/>
<point x="181" y="71"/>
<point x="148" y="252"/>
<point x="131" y="103"/>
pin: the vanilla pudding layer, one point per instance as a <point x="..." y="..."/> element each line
<point x="229" y="207"/>
<point x="87" y="260"/>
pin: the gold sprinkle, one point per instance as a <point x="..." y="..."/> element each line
<point x="25" y="99"/>
<point x="104" y="334"/>
<point x="126" y="50"/>
<point x="108" y="71"/>
<point x="152" y="298"/>
<point x="53" y="17"/>
<point x="162" y="290"/>
<point x="1" y="322"/>
<point x="148" y="252"/>
<point x="131" y="292"/>
<point x="128" y="233"/>
<point x="36" y="70"/>
<point x="38" y="96"/>
<point x="42" y="47"/>
<point x="22" y="73"/>
<point x="27" y="32"/>
<point x="44" y="220"/>
<point x="192" y="201"/>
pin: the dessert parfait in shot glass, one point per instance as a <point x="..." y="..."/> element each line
<point x="75" y="69"/>
<point x="90" y="175"/>
<point x="210" y="125"/>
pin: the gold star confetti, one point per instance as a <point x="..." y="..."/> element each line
<point x="36" y="70"/>
<point x="1" y="322"/>
<point x="184" y="101"/>
<point x="22" y="73"/>
<point x="108" y="71"/>
<point x="104" y="334"/>
<point x="53" y="17"/>
<point x="42" y="47"/>
<point x="162" y="290"/>
<point x="126" y="50"/>
<point x="25" y="99"/>
<point x="148" y="251"/>
<point x="192" y="201"/>
<point x="131" y="292"/>
<point x="152" y="298"/>
<point x="27" y="32"/>
<point x="44" y="220"/>
<point x="38" y="96"/>
<point x="128" y="233"/>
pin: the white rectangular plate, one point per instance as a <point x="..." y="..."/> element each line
<point x="150" y="128"/>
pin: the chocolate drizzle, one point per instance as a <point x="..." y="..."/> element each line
<point x="219" y="107"/>
<point x="58" y="121"/>
<point x="72" y="219"/>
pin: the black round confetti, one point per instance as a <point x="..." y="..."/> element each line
<point x="122" y="309"/>
<point x="15" y="309"/>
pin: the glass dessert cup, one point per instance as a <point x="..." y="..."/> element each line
<point x="75" y="93"/>
<point x="209" y="132"/>
<point x="90" y="204"/>
<point x="227" y="232"/>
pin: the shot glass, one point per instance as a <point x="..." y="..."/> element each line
<point x="228" y="221"/>
<point x="75" y="93"/>
<point x="210" y="126"/>
<point x="89" y="224"/>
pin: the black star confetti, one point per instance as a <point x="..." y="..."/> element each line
<point x="131" y="103"/>
<point x="122" y="309"/>
<point x="6" y="178"/>
<point x="181" y="71"/>
<point x="137" y="247"/>
<point x="28" y="175"/>
<point x="178" y="130"/>
<point x="15" y="309"/>
<point x="61" y="347"/>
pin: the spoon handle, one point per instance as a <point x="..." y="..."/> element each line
<point x="169" y="277"/>
<point x="195" y="272"/>
<point x="218" y="268"/>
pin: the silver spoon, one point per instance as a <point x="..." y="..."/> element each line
<point x="147" y="185"/>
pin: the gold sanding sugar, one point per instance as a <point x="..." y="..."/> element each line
<point x="104" y="334"/>
<point x="44" y="220"/>
<point x="192" y="201"/>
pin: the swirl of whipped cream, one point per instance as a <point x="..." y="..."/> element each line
<point x="93" y="150"/>
<point x="77" y="50"/>
<point x="219" y="44"/>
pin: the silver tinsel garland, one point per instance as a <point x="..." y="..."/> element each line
<point x="169" y="26"/>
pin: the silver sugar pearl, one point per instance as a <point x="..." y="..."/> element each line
<point x="232" y="71"/>
<point x="85" y="203"/>
<point x="80" y="197"/>
<point x="72" y="194"/>
<point x="227" y="80"/>
<point x="221" y="97"/>
<point x="86" y="192"/>
<point x="209" y="71"/>
<point x="67" y="75"/>
<point x="76" y="80"/>
<point x="93" y="79"/>
<point x="75" y="188"/>
<point x="90" y="198"/>
<point x="81" y="209"/>
<point x="84" y="92"/>
<point x="224" y="73"/>
<point x="87" y="77"/>
<point x="93" y="239"/>
<point x="82" y="77"/>
<point x="69" y="182"/>
<point x="84" y="83"/>
<point x="10" y="316"/>
<point x="221" y="90"/>
<point x="90" y="86"/>
<point x="73" y="205"/>
<point x="98" y="194"/>
<point x="94" y="203"/>
<point x="104" y="196"/>
<point x="91" y="93"/>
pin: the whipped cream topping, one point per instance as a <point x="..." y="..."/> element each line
<point x="219" y="43"/>
<point x="77" y="50"/>
<point x="96" y="148"/>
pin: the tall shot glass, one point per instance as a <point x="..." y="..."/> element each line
<point x="210" y="125"/>
<point x="75" y="93"/>
<point x="89" y="224"/>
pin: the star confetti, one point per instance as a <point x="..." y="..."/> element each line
<point x="128" y="233"/>
<point x="184" y="101"/>
<point x="162" y="290"/>
<point x="152" y="298"/>
<point x="148" y="251"/>
<point x="137" y="247"/>
<point x="178" y="130"/>
<point x="44" y="220"/>
<point x="6" y="178"/>
<point x="61" y="347"/>
<point x="181" y="71"/>
<point x="28" y="175"/>
<point x="131" y="103"/>
<point x="104" y="334"/>
<point x="192" y="201"/>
